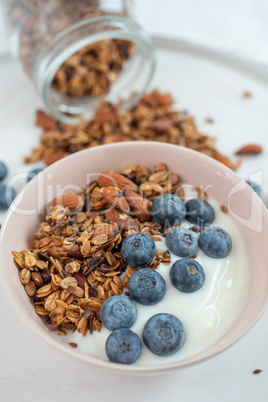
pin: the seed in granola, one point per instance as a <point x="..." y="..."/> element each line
<point x="73" y="344"/>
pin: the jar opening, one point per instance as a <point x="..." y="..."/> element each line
<point x="132" y="80"/>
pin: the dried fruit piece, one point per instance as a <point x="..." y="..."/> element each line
<point x="37" y="278"/>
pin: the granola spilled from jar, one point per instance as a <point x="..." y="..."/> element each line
<point x="74" y="263"/>
<point x="153" y="118"/>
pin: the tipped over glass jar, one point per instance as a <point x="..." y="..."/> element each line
<point x="78" y="53"/>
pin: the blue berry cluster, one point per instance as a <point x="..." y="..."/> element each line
<point x="163" y="333"/>
<point x="7" y="193"/>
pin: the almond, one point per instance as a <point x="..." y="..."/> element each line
<point x="109" y="230"/>
<point x="44" y="120"/>
<point x="252" y="149"/>
<point x="139" y="205"/>
<point x="115" y="179"/>
<point x="71" y="201"/>
<point x="122" y="220"/>
<point x="223" y="159"/>
<point x="54" y="158"/>
<point x="115" y="198"/>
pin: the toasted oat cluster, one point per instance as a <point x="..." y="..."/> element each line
<point x="74" y="263"/>
<point x="153" y="118"/>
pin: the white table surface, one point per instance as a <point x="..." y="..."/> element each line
<point x="30" y="370"/>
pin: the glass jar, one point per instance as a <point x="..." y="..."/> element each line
<point x="79" y="52"/>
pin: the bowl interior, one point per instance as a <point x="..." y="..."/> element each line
<point x="245" y="207"/>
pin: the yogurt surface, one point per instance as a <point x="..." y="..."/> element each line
<point x="206" y="314"/>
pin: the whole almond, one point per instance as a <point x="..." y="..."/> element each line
<point x="54" y="158"/>
<point x="122" y="220"/>
<point x="111" y="178"/>
<point x="115" y="198"/>
<point x="139" y="205"/>
<point x="71" y="201"/>
<point x="44" y="120"/>
<point x="252" y="149"/>
<point x="223" y="159"/>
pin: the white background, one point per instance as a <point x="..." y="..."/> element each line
<point x="30" y="370"/>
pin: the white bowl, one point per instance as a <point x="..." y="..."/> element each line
<point x="245" y="207"/>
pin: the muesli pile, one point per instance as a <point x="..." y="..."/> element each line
<point x="153" y="118"/>
<point x="93" y="69"/>
<point x="75" y="263"/>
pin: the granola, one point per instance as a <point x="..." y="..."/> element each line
<point x="153" y="118"/>
<point x="93" y="69"/>
<point x="74" y="263"/>
<point x="89" y="71"/>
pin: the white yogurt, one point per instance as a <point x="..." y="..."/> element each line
<point x="205" y="314"/>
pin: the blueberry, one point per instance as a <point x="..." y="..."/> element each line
<point x="123" y="346"/>
<point x="147" y="287"/>
<point x="7" y="195"/>
<point x="163" y="334"/>
<point x="118" y="312"/>
<point x="33" y="173"/>
<point x="199" y="212"/>
<point x="187" y="275"/>
<point x="138" y="249"/>
<point x="3" y="171"/>
<point x="255" y="187"/>
<point x="215" y="242"/>
<point x="182" y="242"/>
<point x="168" y="209"/>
